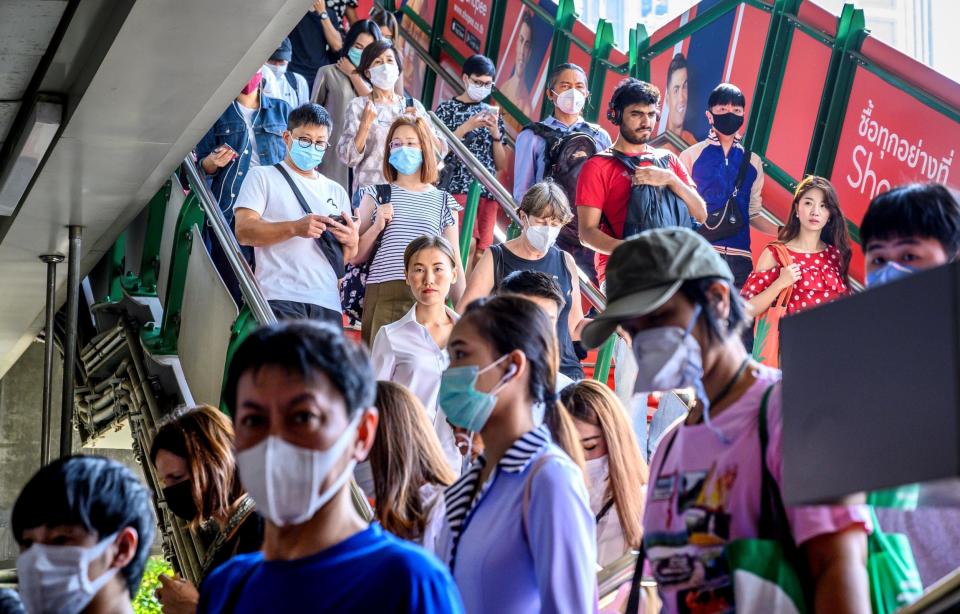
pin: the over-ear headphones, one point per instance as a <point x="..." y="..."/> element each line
<point x="614" y="115"/>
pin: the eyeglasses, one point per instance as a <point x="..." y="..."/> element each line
<point x="481" y="83"/>
<point x="319" y="145"/>
<point x="397" y="143"/>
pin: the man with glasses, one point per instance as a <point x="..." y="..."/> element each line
<point x="480" y="127"/>
<point x="295" y="273"/>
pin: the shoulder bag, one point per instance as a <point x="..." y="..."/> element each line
<point x="766" y="331"/>
<point x="727" y="221"/>
<point x="327" y="242"/>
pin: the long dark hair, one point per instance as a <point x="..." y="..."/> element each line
<point x="834" y="233"/>
<point x="514" y="323"/>
<point x="363" y="26"/>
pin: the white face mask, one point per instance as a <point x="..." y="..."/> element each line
<point x="284" y="480"/>
<point x="541" y="238"/>
<point x="278" y="71"/>
<point x="476" y="92"/>
<point x="384" y="76"/>
<point x="598" y="472"/>
<point x="571" y="101"/>
<point x="57" y="578"/>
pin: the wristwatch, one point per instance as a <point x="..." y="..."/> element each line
<point x="324" y="15"/>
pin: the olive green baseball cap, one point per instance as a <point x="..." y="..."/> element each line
<point x="644" y="272"/>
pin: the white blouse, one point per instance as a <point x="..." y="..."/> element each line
<point x="431" y="498"/>
<point x="405" y="353"/>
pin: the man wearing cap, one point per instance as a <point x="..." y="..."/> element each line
<point x="282" y="84"/>
<point x="672" y="295"/>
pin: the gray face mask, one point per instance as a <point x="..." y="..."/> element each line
<point x="669" y="358"/>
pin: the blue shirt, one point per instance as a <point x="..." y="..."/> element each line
<point x="371" y="571"/>
<point x="269" y="122"/>
<point x="715" y="175"/>
<point x="529" y="157"/>
<point x="504" y="564"/>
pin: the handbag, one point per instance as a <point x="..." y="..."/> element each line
<point x="328" y="243"/>
<point x="728" y="220"/>
<point x="892" y="570"/>
<point x="353" y="286"/>
<point x="766" y="331"/>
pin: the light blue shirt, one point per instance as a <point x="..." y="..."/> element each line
<point x="529" y="158"/>
<point x="501" y="565"/>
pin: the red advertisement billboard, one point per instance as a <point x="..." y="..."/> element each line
<point x="414" y="69"/>
<point x="523" y="58"/>
<point x="729" y="49"/>
<point x="890" y="138"/>
<point x="466" y="25"/>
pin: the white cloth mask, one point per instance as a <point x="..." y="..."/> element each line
<point x="668" y="358"/>
<point x="56" y="579"/>
<point x="571" y="101"/>
<point x="541" y="238"/>
<point x="384" y="76"/>
<point x="284" y="479"/>
<point x="477" y="93"/>
<point x="277" y="70"/>
<point x="598" y="472"/>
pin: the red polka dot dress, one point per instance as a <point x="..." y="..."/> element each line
<point x="820" y="281"/>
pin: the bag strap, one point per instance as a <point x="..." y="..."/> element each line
<point x="782" y="257"/>
<point x="408" y="102"/>
<point x="604" y="510"/>
<point x="742" y="172"/>
<point x="528" y="488"/>
<point x="774" y="523"/>
<point x="296" y="191"/>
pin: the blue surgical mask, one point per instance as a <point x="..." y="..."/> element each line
<point x="407" y="160"/>
<point x="305" y="158"/>
<point x="354" y="55"/>
<point x="463" y="404"/>
<point x="891" y="271"/>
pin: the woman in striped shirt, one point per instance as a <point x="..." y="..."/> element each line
<point x="415" y="208"/>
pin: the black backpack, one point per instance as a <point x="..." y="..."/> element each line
<point x="564" y="156"/>
<point x="651" y="206"/>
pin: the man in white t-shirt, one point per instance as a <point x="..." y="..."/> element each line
<point x="294" y="274"/>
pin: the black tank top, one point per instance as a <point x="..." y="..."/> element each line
<point x="552" y="264"/>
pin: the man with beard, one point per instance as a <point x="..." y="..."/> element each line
<point x="605" y="188"/>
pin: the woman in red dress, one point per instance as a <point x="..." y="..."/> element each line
<point x="819" y="246"/>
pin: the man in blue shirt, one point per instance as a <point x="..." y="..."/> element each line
<point x="714" y="164"/>
<point x="569" y="93"/>
<point x="301" y="397"/>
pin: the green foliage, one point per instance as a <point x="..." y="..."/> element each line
<point x="145" y="601"/>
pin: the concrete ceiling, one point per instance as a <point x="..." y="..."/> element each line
<point x="26" y="27"/>
<point x="142" y="82"/>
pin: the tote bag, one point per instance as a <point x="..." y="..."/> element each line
<point x="892" y="570"/>
<point x="766" y="332"/>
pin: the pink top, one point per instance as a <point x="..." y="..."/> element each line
<point x="707" y="493"/>
<point x="820" y="280"/>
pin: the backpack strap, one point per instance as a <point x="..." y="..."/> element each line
<point x="384" y="193"/>
<point x="408" y="102"/>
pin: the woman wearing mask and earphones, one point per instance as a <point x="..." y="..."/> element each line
<point x="543" y="211"/>
<point x="519" y="533"/>
<point x="338" y="84"/>
<point x="617" y="475"/>
<point x="415" y="208"/>
<point x="716" y="479"/>
<point x="368" y="118"/>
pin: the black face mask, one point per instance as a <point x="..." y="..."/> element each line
<point x="179" y="499"/>
<point x="727" y="123"/>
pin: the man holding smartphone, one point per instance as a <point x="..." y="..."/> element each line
<point x="480" y="127"/>
<point x="295" y="273"/>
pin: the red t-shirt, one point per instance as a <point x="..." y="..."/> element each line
<point x="605" y="184"/>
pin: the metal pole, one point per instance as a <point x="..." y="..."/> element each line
<point x="51" y="261"/>
<point x="70" y="343"/>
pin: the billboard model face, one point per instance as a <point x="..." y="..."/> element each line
<point x="524" y="55"/>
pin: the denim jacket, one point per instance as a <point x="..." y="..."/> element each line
<point x="268" y="126"/>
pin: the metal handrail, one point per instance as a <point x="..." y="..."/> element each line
<point x="505" y="199"/>
<point x="252" y="294"/>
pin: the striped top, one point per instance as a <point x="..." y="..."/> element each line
<point x="414" y="214"/>
<point x="507" y="556"/>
